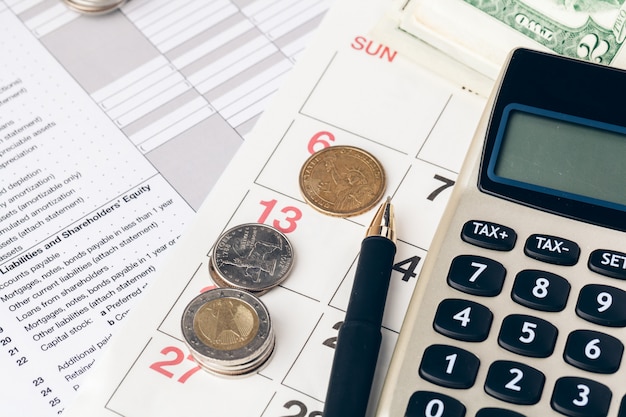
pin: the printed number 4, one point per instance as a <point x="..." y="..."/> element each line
<point x="178" y="358"/>
<point x="408" y="272"/>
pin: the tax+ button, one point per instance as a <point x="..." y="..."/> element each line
<point x="489" y="235"/>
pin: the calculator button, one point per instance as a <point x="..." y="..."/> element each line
<point x="608" y="262"/>
<point x="514" y="382"/>
<point x="602" y="305"/>
<point x="426" y="404"/>
<point x="489" y="235"/>
<point x="449" y="366"/>
<point x="540" y="290"/>
<point x="593" y="351"/>
<point x="552" y="249"/>
<point x="497" y="412"/>
<point x="580" y="397"/>
<point x="528" y="336"/>
<point x="476" y="275"/>
<point x="463" y="320"/>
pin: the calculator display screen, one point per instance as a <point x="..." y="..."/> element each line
<point x="561" y="155"/>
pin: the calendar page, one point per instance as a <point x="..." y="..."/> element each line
<point x="348" y="89"/>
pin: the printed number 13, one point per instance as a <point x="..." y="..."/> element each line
<point x="286" y="225"/>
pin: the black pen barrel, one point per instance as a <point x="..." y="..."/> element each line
<point x="359" y="337"/>
<point x="353" y="370"/>
<point x="371" y="280"/>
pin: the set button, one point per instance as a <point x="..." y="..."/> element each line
<point x="608" y="262"/>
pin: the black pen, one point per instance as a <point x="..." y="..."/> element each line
<point x="358" y="341"/>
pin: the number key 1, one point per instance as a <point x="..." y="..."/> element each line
<point x="449" y="366"/>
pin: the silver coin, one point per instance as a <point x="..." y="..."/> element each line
<point x="218" y="281"/>
<point x="253" y="257"/>
<point x="228" y="331"/>
<point x="94" y="6"/>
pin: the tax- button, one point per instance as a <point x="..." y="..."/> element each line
<point x="608" y="262"/>
<point x="489" y="235"/>
<point x="552" y="249"/>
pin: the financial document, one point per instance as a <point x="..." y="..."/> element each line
<point x="113" y="129"/>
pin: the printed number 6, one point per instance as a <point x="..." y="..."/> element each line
<point x="320" y="140"/>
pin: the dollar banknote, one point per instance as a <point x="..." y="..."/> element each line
<point x="482" y="32"/>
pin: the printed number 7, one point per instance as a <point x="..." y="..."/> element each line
<point x="447" y="183"/>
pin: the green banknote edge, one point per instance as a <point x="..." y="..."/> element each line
<point x="590" y="41"/>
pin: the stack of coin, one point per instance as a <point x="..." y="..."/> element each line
<point x="342" y="181"/>
<point x="94" y="6"/>
<point x="228" y="331"/>
<point x="252" y="257"/>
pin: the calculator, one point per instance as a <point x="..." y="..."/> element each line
<point x="520" y="307"/>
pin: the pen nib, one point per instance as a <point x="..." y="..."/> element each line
<point x="383" y="223"/>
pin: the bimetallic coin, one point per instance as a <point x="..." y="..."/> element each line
<point x="228" y="331"/>
<point x="94" y="6"/>
<point x="253" y="257"/>
<point x="342" y="181"/>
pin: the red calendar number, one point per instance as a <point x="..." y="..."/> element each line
<point x="287" y="223"/>
<point x="320" y="140"/>
<point x="175" y="362"/>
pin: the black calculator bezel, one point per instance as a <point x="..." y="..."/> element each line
<point x="564" y="85"/>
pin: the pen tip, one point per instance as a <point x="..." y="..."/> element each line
<point x="384" y="223"/>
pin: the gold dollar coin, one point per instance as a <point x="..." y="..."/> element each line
<point x="342" y="181"/>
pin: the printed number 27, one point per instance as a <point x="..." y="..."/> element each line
<point x="178" y="359"/>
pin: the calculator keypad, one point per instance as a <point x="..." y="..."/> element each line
<point x="525" y="335"/>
